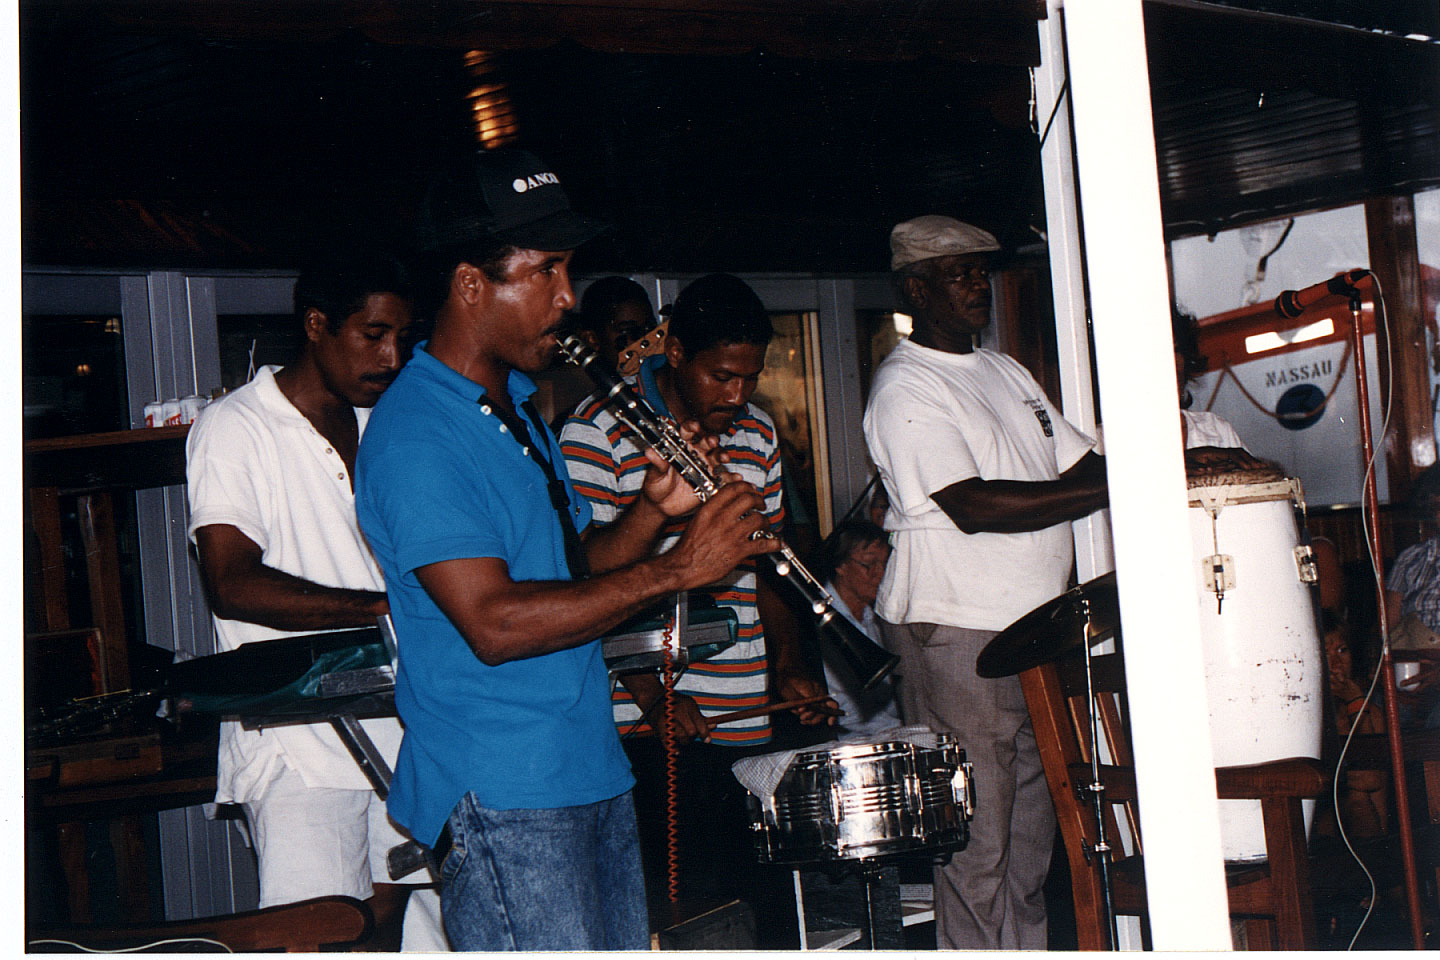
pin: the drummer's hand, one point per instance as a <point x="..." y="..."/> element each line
<point x="647" y="689"/>
<point x="689" y="721"/>
<point x="799" y="687"/>
<point x="1222" y="460"/>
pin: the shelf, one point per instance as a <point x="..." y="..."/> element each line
<point x="149" y="457"/>
<point x="911" y="913"/>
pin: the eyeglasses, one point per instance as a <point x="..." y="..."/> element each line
<point x="970" y="276"/>
<point x="869" y="567"/>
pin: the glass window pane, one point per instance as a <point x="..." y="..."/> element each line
<point x="269" y="338"/>
<point x="786" y="389"/>
<point x="73" y="375"/>
<point x="878" y="337"/>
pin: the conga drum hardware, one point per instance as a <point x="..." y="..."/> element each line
<point x="1213" y="491"/>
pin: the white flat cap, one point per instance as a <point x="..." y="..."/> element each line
<point x="936" y="236"/>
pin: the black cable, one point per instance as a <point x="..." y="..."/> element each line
<point x="1059" y="99"/>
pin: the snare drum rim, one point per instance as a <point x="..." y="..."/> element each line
<point x="848" y="751"/>
<point x="856" y="751"/>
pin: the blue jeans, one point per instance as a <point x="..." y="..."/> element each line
<point x="566" y="878"/>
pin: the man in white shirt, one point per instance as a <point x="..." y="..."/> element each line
<point x="984" y="475"/>
<point x="272" y="515"/>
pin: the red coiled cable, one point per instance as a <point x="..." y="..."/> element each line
<point x="672" y="774"/>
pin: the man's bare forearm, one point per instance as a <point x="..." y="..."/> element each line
<point x="1020" y="506"/>
<point x="503" y="619"/>
<point x="522" y="619"/>
<point x="286" y="602"/>
<point x="631" y="537"/>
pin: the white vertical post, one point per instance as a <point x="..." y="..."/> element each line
<point x="1093" y="553"/>
<point x="1129" y="296"/>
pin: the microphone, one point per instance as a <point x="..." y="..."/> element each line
<point x="1291" y="303"/>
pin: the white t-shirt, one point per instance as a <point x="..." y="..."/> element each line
<point x="254" y="462"/>
<point x="1204" y="429"/>
<point x="937" y="418"/>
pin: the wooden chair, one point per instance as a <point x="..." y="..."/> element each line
<point x="1421" y="748"/>
<point x="302" y="927"/>
<point x="1273" y="898"/>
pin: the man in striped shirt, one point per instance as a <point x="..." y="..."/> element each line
<point x="712" y="361"/>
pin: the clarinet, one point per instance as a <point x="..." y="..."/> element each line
<point x="870" y="661"/>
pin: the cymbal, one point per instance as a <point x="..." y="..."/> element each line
<point x="1052" y="629"/>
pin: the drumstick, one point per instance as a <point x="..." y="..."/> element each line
<point x="713" y="722"/>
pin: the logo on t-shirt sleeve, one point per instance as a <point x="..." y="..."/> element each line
<point x="1042" y="415"/>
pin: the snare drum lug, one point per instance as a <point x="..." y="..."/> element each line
<point x="962" y="788"/>
<point x="1305" y="563"/>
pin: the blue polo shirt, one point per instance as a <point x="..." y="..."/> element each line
<point x="438" y="478"/>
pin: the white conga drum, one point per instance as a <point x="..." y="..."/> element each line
<point x="1264" y="668"/>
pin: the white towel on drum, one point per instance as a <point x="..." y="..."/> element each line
<point x="761" y="775"/>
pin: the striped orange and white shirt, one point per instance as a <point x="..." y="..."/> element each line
<point x="607" y="467"/>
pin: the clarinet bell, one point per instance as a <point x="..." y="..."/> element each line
<point x="870" y="661"/>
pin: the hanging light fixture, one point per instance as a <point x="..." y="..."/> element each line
<point x="492" y="115"/>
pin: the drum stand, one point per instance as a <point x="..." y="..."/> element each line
<point x="883" y="922"/>
<point x="822" y="895"/>
<point x="1096" y="786"/>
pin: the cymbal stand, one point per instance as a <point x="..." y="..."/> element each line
<point x="1096" y="786"/>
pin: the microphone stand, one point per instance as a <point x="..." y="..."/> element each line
<point x="1387" y="671"/>
<point x="1097" y="787"/>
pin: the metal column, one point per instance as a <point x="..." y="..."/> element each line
<point x="172" y="350"/>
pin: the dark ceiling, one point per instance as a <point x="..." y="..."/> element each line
<point x="731" y="134"/>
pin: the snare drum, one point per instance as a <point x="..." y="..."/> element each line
<point x="1264" y="669"/>
<point x="864" y="800"/>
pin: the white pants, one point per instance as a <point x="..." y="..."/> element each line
<point x="321" y="842"/>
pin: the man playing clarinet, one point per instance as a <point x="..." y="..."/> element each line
<point x="510" y="768"/>
<point x="710" y="366"/>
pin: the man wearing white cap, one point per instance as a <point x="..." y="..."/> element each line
<point x="984" y="475"/>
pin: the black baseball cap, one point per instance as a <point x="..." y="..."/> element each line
<point x="506" y="195"/>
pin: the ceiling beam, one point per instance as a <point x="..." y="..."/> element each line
<point x="976" y="31"/>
